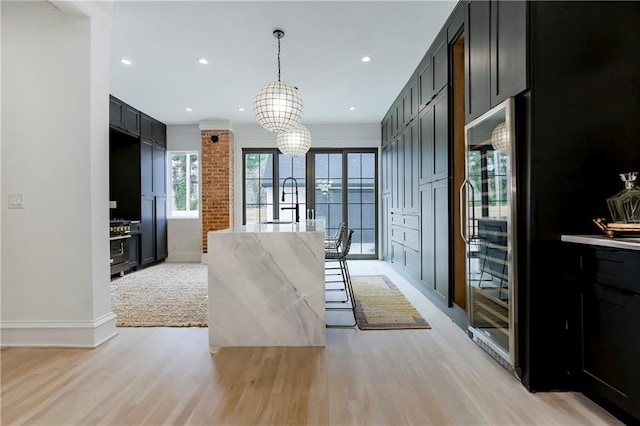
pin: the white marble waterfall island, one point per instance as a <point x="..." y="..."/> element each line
<point x="266" y="285"/>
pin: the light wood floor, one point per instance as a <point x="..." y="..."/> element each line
<point x="153" y="376"/>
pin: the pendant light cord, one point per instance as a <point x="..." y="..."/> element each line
<point x="278" y="58"/>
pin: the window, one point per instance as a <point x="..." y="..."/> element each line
<point x="184" y="171"/>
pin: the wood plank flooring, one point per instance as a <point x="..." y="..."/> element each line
<point x="154" y="376"/>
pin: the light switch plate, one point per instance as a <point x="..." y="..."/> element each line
<point x="16" y="201"/>
<point x="113" y="204"/>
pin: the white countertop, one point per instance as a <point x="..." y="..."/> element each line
<point x="303" y="226"/>
<point x="631" y="243"/>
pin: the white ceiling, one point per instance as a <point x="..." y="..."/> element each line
<point x="320" y="54"/>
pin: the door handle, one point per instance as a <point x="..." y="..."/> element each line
<point x="464" y="210"/>
<point x="313" y="214"/>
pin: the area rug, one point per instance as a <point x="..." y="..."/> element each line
<point x="381" y="306"/>
<point x="164" y="295"/>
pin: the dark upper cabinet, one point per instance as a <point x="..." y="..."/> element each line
<point x="440" y="62"/>
<point x="384" y="140"/>
<point x="123" y="117"/>
<point x="477" y="45"/>
<point x="508" y="49"/>
<point x="425" y="80"/>
<point x="495" y="53"/>
<point x="433" y="71"/>
<point x="153" y="130"/>
<point x="410" y="102"/>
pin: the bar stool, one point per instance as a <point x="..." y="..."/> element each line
<point x="340" y="256"/>
<point x="332" y="246"/>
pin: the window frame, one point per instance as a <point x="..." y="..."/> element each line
<point x="188" y="214"/>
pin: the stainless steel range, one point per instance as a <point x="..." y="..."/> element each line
<point x="119" y="233"/>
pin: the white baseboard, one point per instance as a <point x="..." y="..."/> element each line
<point x="184" y="256"/>
<point x="68" y="334"/>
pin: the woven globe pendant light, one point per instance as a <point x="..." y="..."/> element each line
<point x="278" y="105"/>
<point x="500" y="139"/>
<point x="295" y="141"/>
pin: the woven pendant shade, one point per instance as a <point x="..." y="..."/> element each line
<point x="294" y="142"/>
<point x="500" y="139"/>
<point x="278" y="106"/>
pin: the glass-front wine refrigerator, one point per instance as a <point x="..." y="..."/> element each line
<point x="487" y="198"/>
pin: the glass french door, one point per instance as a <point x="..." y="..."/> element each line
<point x="344" y="190"/>
<point x="488" y="198"/>
<point x="336" y="185"/>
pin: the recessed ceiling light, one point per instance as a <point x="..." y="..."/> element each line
<point x="366" y="58"/>
<point x="352" y="108"/>
<point x="188" y="109"/>
<point x="240" y="109"/>
<point x="125" y="61"/>
<point x="203" y="61"/>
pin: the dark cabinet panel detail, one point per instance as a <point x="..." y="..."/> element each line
<point x="425" y="80"/>
<point x="146" y="127"/>
<point x="610" y="312"/>
<point x="146" y="170"/>
<point x="123" y="117"/>
<point x="147" y="237"/>
<point x="115" y="113"/>
<point x="440" y="62"/>
<point x="427" y="240"/>
<point x="426" y="145"/>
<point x="477" y="47"/>
<point x="161" y="227"/>
<point x="441" y="136"/>
<point x="159" y="170"/>
<point x="410" y="168"/>
<point x="441" y="238"/>
<point x="508" y="49"/>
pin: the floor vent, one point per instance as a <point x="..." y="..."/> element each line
<point x="495" y="355"/>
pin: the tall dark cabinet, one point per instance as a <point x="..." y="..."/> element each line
<point x="137" y="167"/>
<point x="571" y="69"/>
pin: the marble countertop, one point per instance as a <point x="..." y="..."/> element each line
<point x="303" y="226"/>
<point x="631" y="243"/>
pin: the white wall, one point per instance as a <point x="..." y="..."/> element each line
<point x="55" y="263"/>
<point x="184" y="238"/>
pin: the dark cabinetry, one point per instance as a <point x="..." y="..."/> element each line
<point x="495" y="53"/>
<point x="610" y="325"/>
<point x="123" y="117"/>
<point x="137" y="167"/>
<point x="433" y="69"/>
<point x="153" y="130"/>
<point x="434" y="214"/>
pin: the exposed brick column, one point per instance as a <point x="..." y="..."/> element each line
<point x="217" y="182"/>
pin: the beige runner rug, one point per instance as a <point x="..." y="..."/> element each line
<point x="164" y="295"/>
<point x="381" y="306"/>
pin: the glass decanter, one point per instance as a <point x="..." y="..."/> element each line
<point x="625" y="205"/>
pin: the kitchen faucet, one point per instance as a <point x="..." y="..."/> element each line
<point x="297" y="205"/>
